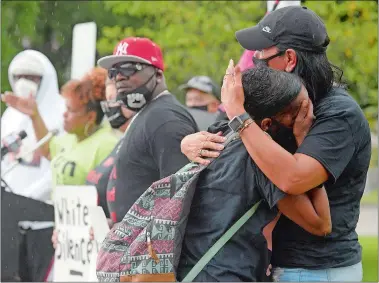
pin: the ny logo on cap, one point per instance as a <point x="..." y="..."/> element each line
<point x="266" y="29"/>
<point x="121" y="49"/>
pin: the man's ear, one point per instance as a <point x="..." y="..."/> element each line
<point x="266" y="124"/>
<point x="159" y="74"/>
<point x="291" y="60"/>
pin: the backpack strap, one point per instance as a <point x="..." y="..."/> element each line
<point x="219" y="244"/>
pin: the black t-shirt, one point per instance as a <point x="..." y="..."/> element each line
<point x="225" y="191"/>
<point x="149" y="152"/>
<point x="99" y="177"/>
<point x="340" y="140"/>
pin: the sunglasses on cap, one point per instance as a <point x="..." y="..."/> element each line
<point x="126" y="70"/>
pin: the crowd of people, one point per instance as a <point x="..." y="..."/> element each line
<point x="304" y="147"/>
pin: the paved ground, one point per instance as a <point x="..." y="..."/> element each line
<point x="368" y="221"/>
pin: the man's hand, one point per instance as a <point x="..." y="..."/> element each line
<point x="202" y="144"/>
<point x="304" y="121"/>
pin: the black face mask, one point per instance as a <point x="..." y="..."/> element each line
<point x="115" y="116"/>
<point x="136" y="99"/>
<point x="283" y="136"/>
<point x="203" y="107"/>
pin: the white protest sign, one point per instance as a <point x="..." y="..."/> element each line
<point x="72" y="221"/>
<point x="100" y="230"/>
<point x="83" y="49"/>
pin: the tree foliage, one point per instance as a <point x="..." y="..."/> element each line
<point x="15" y="24"/>
<point x="196" y="37"/>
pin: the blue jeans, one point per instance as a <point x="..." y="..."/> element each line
<point x="341" y="274"/>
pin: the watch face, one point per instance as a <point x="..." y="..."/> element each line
<point x="235" y="123"/>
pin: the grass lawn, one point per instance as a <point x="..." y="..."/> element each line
<point x="370" y="198"/>
<point x="369" y="258"/>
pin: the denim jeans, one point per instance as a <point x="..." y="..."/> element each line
<point x="341" y="274"/>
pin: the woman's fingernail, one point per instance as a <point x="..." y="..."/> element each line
<point x="220" y="147"/>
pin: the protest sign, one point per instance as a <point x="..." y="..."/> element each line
<point x="74" y="250"/>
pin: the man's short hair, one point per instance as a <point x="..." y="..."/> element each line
<point x="268" y="91"/>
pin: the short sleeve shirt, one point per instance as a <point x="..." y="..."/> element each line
<point x="72" y="160"/>
<point x="99" y="178"/>
<point x="226" y="190"/>
<point x="340" y="140"/>
<point x="149" y="152"/>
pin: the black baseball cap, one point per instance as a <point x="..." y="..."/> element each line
<point x="289" y="27"/>
<point x="202" y="83"/>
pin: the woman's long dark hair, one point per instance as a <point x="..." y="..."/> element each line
<point x="317" y="73"/>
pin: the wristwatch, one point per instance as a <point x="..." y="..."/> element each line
<point x="237" y="122"/>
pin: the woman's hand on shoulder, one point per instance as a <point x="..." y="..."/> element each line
<point x="201" y="145"/>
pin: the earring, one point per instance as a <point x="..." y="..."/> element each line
<point x="86" y="129"/>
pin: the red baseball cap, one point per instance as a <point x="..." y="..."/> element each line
<point x="134" y="49"/>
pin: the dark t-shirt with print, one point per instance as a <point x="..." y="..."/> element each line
<point x="227" y="189"/>
<point x="340" y="140"/>
<point x="99" y="177"/>
<point x="150" y="151"/>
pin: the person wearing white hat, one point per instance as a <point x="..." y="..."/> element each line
<point x="32" y="73"/>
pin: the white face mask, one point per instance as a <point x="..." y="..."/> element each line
<point x="24" y="87"/>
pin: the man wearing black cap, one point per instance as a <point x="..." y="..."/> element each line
<point x="336" y="152"/>
<point x="203" y="100"/>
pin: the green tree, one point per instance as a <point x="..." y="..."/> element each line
<point x="198" y="38"/>
<point x="15" y="24"/>
<point x="46" y="26"/>
<point x="353" y="31"/>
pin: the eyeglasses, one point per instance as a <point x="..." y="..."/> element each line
<point x="266" y="60"/>
<point x="127" y="70"/>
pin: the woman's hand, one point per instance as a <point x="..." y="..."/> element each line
<point x="303" y="121"/>
<point x="201" y="145"/>
<point x="232" y="95"/>
<point x="26" y="105"/>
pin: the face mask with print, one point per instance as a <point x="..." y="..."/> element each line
<point x="115" y="116"/>
<point x="24" y="87"/>
<point x="136" y="99"/>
